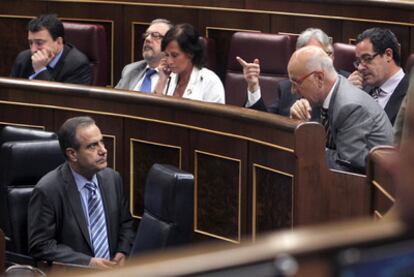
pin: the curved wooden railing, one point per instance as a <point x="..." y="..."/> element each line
<point x="254" y="171"/>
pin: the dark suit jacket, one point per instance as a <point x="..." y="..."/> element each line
<point x="57" y="226"/>
<point x="394" y="103"/>
<point x="284" y="98"/>
<point x="73" y="67"/>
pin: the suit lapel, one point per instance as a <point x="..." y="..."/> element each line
<point x="75" y="202"/>
<point x="58" y="67"/>
<point x="137" y="75"/>
<point x="332" y="107"/>
<point x="392" y="106"/>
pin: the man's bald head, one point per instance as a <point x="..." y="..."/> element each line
<point x="311" y="58"/>
<point x="312" y="73"/>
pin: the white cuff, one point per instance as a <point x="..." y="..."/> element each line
<point x="253" y="97"/>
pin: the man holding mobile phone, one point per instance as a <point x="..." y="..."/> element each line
<point x="143" y="75"/>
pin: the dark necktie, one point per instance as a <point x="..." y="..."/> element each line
<point x="146" y="83"/>
<point x="97" y="223"/>
<point x="376" y="93"/>
<point x="325" y="122"/>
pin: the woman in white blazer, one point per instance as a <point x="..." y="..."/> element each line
<point x="181" y="70"/>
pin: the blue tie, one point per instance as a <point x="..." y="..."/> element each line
<point x="146" y="83"/>
<point x="97" y="224"/>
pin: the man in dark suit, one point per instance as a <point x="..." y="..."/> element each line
<point x="49" y="57"/>
<point x="377" y="65"/>
<point x="353" y="121"/>
<point x="134" y="74"/>
<point x="284" y="99"/>
<point x="78" y="213"/>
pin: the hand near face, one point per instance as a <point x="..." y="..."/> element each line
<point x="163" y="68"/>
<point x="251" y="72"/>
<point x="301" y="110"/>
<point x="42" y="58"/>
<point x="357" y="79"/>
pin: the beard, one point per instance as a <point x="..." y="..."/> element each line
<point x="148" y="51"/>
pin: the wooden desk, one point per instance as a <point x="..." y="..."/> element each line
<point x="254" y="171"/>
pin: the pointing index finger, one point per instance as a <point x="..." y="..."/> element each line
<point x="241" y="61"/>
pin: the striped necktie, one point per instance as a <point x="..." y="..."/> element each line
<point x="325" y="122"/>
<point x="146" y="83"/>
<point x="97" y="223"/>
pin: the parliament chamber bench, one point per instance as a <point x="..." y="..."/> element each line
<point x="381" y="175"/>
<point x="125" y="22"/>
<point x="254" y="172"/>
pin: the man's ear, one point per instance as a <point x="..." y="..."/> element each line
<point x="320" y="75"/>
<point x="59" y="40"/>
<point x="389" y="54"/>
<point x="71" y="154"/>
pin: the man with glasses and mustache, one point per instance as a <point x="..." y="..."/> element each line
<point x="353" y="121"/>
<point x="143" y="75"/>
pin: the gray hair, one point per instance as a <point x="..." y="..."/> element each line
<point x="317" y="34"/>
<point x="162" y="20"/>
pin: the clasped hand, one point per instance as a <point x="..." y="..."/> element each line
<point x="41" y="59"/>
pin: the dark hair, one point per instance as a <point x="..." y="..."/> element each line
<point x="189" y="41"/>
<point x="67" y="132"/>
<point x="49" y="22"/>
<point x="382" y="39"/>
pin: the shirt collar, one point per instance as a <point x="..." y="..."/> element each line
<point x="148" y="67"/>
<point x="81" y="181"/>
<point x="56" y="59"/>
<point x="327" y="100"/>
<point x="390" y="85"/>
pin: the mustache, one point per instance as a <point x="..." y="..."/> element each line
<point x="147" y="47"/>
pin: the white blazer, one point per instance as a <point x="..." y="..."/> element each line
<point x="204" y="85"/>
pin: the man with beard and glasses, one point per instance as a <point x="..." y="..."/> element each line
<point x="143" y="75"/>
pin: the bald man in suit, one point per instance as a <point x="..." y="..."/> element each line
<point x="353" y="121"/>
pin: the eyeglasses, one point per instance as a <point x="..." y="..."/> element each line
<point x="298" y="83"/>
<point x="364" y="60"/>
<point x="154" y="35"/>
